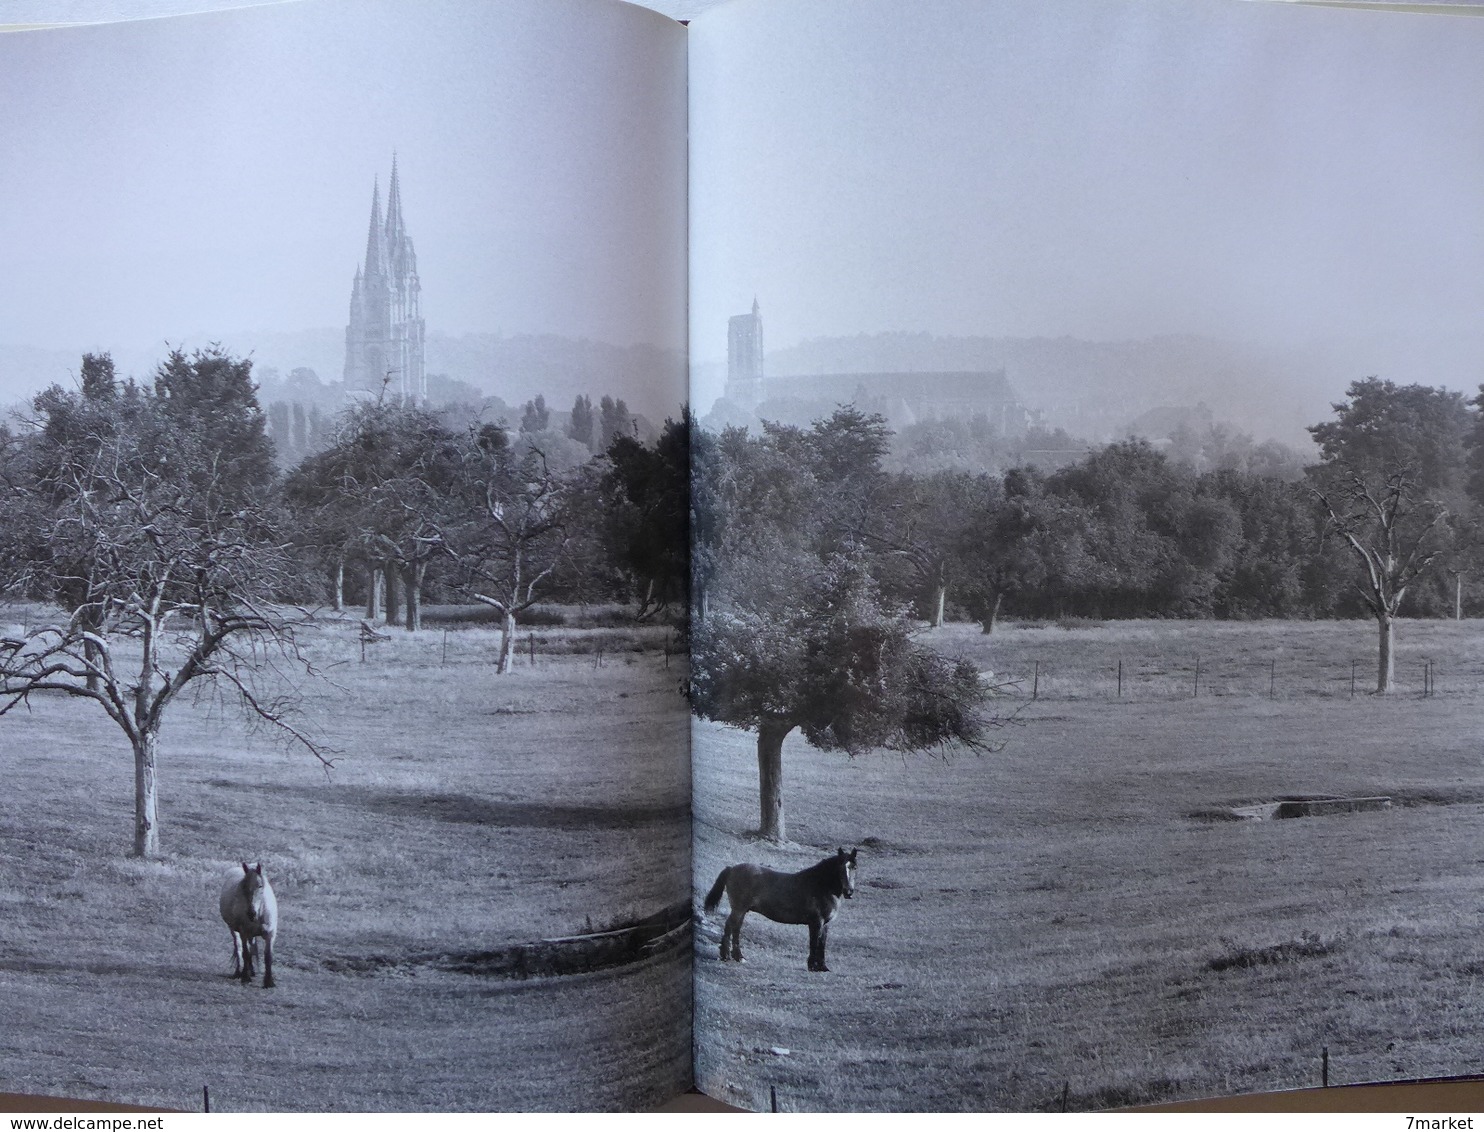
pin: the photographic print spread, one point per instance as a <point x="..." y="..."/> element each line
<point x="860" y="557"/>
<point x="1086" y="509"/>
<point x="343" y="737"/>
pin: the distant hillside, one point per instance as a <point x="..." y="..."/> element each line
<point x="1097" y="389"/>
<point x="514" y="369"/>
<point x="650" y="380"/>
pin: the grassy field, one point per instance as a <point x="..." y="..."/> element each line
<point x="467" y="811"/>
<point x="1068" y="915"/>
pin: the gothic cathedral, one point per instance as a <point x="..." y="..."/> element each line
<point x="384" y="341"/>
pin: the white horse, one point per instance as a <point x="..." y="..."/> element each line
<point x="250" y="911"/>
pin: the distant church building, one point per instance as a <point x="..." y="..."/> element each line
<point x="902" y="398"/>
<point x="745" y="358"/>
<point x="384" y="341"/>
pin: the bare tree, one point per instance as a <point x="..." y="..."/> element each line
<point x="1396" y="537"/>
<point x="525" y="521"/>
<point x="1392" y="462"/>
<point x="149" y="535"/>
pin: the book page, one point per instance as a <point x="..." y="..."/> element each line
<point x="342" y="559"/>
<point x="1086" y="558"/>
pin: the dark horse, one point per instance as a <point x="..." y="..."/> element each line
<point x="810" y="896"/>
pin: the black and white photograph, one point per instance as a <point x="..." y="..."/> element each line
<point x="1086" y="553"/>
<point x="865" y="556"/>
<point x="343" y="563"/>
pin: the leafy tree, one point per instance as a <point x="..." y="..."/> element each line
<point x="916" y="526"/>
<point x="326" y="518"/>
<point x="648" y="509"/>
<point x="209" y="396"/>
<point x="1392" y="465"/>
<point x="384" y="492"/>
<point x="808" y="644"/>
<point x="1155" y="543"/>
<point x="278" y="430"/>
<point x="997" y="547"/>
<point x="581" y="425"/>
<point x="98" y="380"/>
<point x="536" y="416"/>
<point x="301" y="431"/>
<point x="792" y="630"/>
<point x="1268" y="574"/>
<point x="613" y="421"/>
<point x="144" y="514"/>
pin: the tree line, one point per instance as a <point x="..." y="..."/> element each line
<point x="153" y="519"/>
<point x="814" y="564"/>
<point x="166" y="550"/>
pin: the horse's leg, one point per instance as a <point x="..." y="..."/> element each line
<point x="267" y="961"/>
<point x="236" y="954"/>
<point x="815" y="947"/>
<point x="248" y="947"/>
<point x="726" y="935"/>
<point x="733" y="930"/>
<point x="824" y="935"/>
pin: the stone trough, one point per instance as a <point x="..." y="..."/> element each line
<point x="1310" y="807"/>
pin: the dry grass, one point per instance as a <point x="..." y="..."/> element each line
<point x="467" y="811"/>
<point x="1057" y="915"/>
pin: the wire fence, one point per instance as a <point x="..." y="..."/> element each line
<point x="393" y="645"/>
<point x="1166" y="678"/>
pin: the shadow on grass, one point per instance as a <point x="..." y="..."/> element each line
<point x="1308" y="946"/>
<point x="667" y="931"/>
<point x="464" y="809"/>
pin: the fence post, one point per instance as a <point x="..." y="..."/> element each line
<point x="1036" y="682"/>
<point x="1120" y="678"/>
<point x="205" y="1098"/>
<point x="1352" y="679"/>
<point x="1324" y="1066"/>
<point x="1196" y="690"/>
<point x="445" y="647"/>
<point x="531" y="640"/>
<point x="1272" y="678"/>
<point x="772" y="1098"/>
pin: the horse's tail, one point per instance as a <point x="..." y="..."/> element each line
<point x="713" y="898"/>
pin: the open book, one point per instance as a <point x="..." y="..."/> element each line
<point x="443" y="633"/>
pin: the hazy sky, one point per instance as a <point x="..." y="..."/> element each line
<point x="212" y="174"/>
<point x="1093" y="168"/>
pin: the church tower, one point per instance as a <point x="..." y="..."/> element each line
<point x="745" y="358"/>
<point x="384" y="340"/>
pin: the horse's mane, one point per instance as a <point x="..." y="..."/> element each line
<point x="831" y="864"/>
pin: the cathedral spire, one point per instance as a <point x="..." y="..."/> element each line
<point x="385" y="335"/>
<point x="373" y="233"/>
<point x="394" y="227"/>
